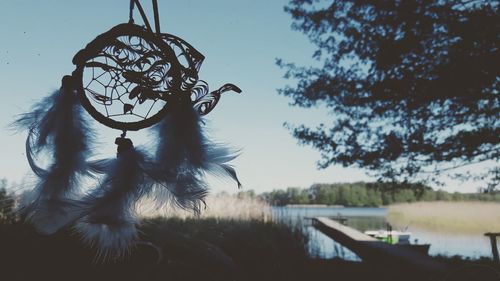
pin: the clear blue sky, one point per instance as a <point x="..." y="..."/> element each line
<point x="240" y="40"/>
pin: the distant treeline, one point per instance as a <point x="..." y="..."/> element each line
<point x="363" y="194"/>
<point x="358" y="194"/>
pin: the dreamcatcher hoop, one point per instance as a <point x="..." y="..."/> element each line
<point x="128" y="65"/>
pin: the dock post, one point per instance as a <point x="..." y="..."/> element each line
<point x="494" y="248"/>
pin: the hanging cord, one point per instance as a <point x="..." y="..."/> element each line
<point x="141" y="11"/>
<point x="137" y="3"/>
<point x="131" y="12"/>
<point x="157" y="16"/>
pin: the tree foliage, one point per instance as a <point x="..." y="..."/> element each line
<point x="361" y="194"/>
<point x="413" y="85"/>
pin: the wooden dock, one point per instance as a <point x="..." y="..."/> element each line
<point x="378" y="253"/>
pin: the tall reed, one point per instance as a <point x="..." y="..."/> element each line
<point x="466" y="217"/>
<point x="219" y="206"/>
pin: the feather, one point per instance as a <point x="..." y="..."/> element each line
<point x="30" y="154"/>
<point x="55" y="126"/>
<point x="179" y="157"/>
<point x="216" y="161"/>
<point x="185" y="155"/>
<point x="109" y="220"/>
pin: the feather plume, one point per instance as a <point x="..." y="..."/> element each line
<point x="180" y="155"/>
<point x="109" y="220"/>
<point x="216" y="161"/>
<point x="55" y="125"/>
<point x="184" y="156"/>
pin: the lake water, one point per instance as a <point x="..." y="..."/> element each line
<point x="320" y="245"/>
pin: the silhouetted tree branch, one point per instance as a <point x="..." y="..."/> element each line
<point x="411" y="84"/>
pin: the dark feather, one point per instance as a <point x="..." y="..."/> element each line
<point x="185" y="155"/>
<point x="55" y="126"/>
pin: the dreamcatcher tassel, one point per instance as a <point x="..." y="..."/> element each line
<point x="109" y="220"/>
<point x="184" y="155"/>
<point x="55" y="126"/>
<point x="180" y="155"/>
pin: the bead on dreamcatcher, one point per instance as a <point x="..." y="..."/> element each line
<point x="128" y="78"/>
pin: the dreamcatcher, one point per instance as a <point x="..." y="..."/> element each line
<point x="128" y="78"/>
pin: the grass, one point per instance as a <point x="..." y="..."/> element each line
<point x="220" y="206"/>
<point x="243" y="249"/>
<point x="230" y="244"/>
<point x="192" y="249"/>
<point x="464" y="217"/>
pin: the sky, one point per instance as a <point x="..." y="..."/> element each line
<point x="240" y="40"/>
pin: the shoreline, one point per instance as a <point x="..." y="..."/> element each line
<point x="312" y="206"/>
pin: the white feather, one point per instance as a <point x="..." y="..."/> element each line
<point x="113" y="241"/>
<point x="109" y="218"/>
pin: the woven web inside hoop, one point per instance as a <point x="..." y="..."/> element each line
<point x="116" y="81"/>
